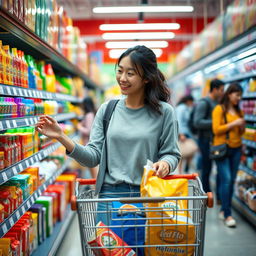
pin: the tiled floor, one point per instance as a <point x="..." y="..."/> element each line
<point x="219" y="240"/>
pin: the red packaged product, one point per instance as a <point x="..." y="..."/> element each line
<point x="5" y="201"/>
<point x="106" y="237"/>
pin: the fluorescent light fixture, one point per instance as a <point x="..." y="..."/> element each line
<point x="217" y="66"/>
<point x="140" y="26"/>
<point x="116" y="53"/>
<point x="247" y="53"/>
<point x="141" y="8"/>
<point x="128" y="44"/>
<point x="140" y="35"/>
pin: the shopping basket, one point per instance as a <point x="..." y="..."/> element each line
<point x="86" y="204"/>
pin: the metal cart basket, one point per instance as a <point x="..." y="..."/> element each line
<point x="135" y="221"/>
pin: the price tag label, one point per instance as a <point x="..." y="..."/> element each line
<point x="14" y="91"/>
<point x="1" y="126"/>
<point x="26" y="122"/>
<point x="4" y="228"/>
<point x="25" y="93"/>
<point x="15" y="172"/>
<point x="41" y="95"/>
<point x="5" y="178"/>
<point x="11" y="221"/>
<point x="8" y="125"/>
<point x="18" y="215"/>
<point x="30" y="93"/>
<point x="20" y="92"/>
<point x="21" y="167"/>
<point x="44" y="186"/>
<point x="37" y="158"/>
<point x="40" y="192"/>
<point x="27" y="163"/>
<point x="23" y="209"/>
<point x="28" y="204"/>
<point x="8" y="89"/>
<point x="14" y="123"/>
<point x="1" y="90"/>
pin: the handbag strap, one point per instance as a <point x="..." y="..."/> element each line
<point x="225" y="120"/>
<point x="106" y="120"/>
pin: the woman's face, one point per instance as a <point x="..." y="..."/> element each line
<point x="235" y="97"/>
<point x="128" y="78"/>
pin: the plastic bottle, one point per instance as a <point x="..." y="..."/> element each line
<point x="41" y="65"/>
<point x="8" y="108"/>
<point x="8" y="65"/>
<point x="24" y="69"/>
<point x="4" y="147"/>
<point x="20" y="107"/>
<point x="15" y="67"/>
<point x="50" y="78"/>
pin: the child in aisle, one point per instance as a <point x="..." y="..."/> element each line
<point x="143" y="126"/>
<point x="228" y="166"/>
<point x="85" y="127"/>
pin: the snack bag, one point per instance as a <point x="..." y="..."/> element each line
<point x="130" y="220"/>
<point x="106" y="237"/>
<point x="161" y="214"/>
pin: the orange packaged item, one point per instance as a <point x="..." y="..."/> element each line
<point x="1" y="213"/>
<point x="107" y="238"/>
<point x="71" y="179"/>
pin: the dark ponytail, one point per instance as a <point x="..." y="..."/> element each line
<point x="156" y="89"/>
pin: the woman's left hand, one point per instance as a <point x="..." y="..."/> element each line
<point x="162" y="168"/>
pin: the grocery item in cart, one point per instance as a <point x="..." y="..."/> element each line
<point x="130" y="221"/>
<point x="169" y="224"/>
<point x="108" y="241"/>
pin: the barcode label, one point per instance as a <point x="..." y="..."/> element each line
<point x="11" y="221"/>
<point x="4" y="228"/>
<point x="5" y="178"/>
<point x="18" y="214"/>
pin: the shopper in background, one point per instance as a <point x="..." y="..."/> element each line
<point x="143" y="126"/>
<point x="187" y="145"/>
<point x="85" y="127"/>
<point x="203" y="123"/>
<point x="234" y="126"/>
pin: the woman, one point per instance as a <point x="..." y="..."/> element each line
<point x="143" y="126"/>
<point x="228" y="166"/>
<point x="187" y="145"/>
<point x="85" y="127"/>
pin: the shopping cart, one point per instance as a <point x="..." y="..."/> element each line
<point x="173" y="242"/>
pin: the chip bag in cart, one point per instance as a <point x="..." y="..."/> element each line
<point x="107" y="243"/>
<point x="169" y="225"/>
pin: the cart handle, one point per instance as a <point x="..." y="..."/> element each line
<point x="192" y="176"/>
<point x="210" y="200"/>
<point x="86" y="181"/>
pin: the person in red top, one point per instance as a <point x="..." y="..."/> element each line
<point x="85" y="127"/>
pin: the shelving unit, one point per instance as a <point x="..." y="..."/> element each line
<point x="249" y="143"/>
<point x="28" y="121"/>
<point x="9" y="90"/>
<point x="51" y="244"/>
<point x="251" y="118"/>
<point x="15" y="34"/>
<point x="14" y="217"/>
<point x="247" y="170"/>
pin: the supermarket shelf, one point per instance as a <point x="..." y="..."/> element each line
<point x="244" y="209"/>
<point x="28" y="41"/>
<point x="247" y="170"/>
<point x="28" y="121"/>
<point x="16" y="168"/>
<point x="15" y="216"/>
<point x="240" y="77"/>
<point x="231" y="46"/>
<point x="249" y="143"/>
<point x="9" y="90"/>
<point x="51" y="244"/>
<point x="251" y="118"/>
<point x="249" y="95"/>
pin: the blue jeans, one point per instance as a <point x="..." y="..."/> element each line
<point x="113" y="191"/>
<point x="206" y="165"/>
<point x="227" y="169"/>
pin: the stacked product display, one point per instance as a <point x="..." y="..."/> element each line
<point x="41" y="72"/>
<point x="235" y="61"/>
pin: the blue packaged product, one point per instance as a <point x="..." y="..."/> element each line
<point x="130" y="220"/>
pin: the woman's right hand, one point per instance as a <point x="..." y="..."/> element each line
<point x="239" y="122"/>
<point x="49" y="127"/>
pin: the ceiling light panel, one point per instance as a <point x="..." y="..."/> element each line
<point x="142" y="35"/>
<point x="140" y="26"/>
<point x="128" y="44"/>
<point x="116" y="53"/>
<point x="130" y="9"/>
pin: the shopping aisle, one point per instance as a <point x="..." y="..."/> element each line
<point x="221" y="241"/>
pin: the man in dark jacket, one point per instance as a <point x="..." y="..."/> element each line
<point x="203" y="123"/>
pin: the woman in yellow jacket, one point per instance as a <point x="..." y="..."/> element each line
<point x="228" y="166"/>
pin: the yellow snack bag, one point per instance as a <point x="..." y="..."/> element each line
<point x="169" y="225"/>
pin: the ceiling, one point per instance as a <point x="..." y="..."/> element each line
<point x="82" y="9"/>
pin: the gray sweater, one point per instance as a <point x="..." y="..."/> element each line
<point x="134" y="135"/>
<point x="203" y="117"/>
